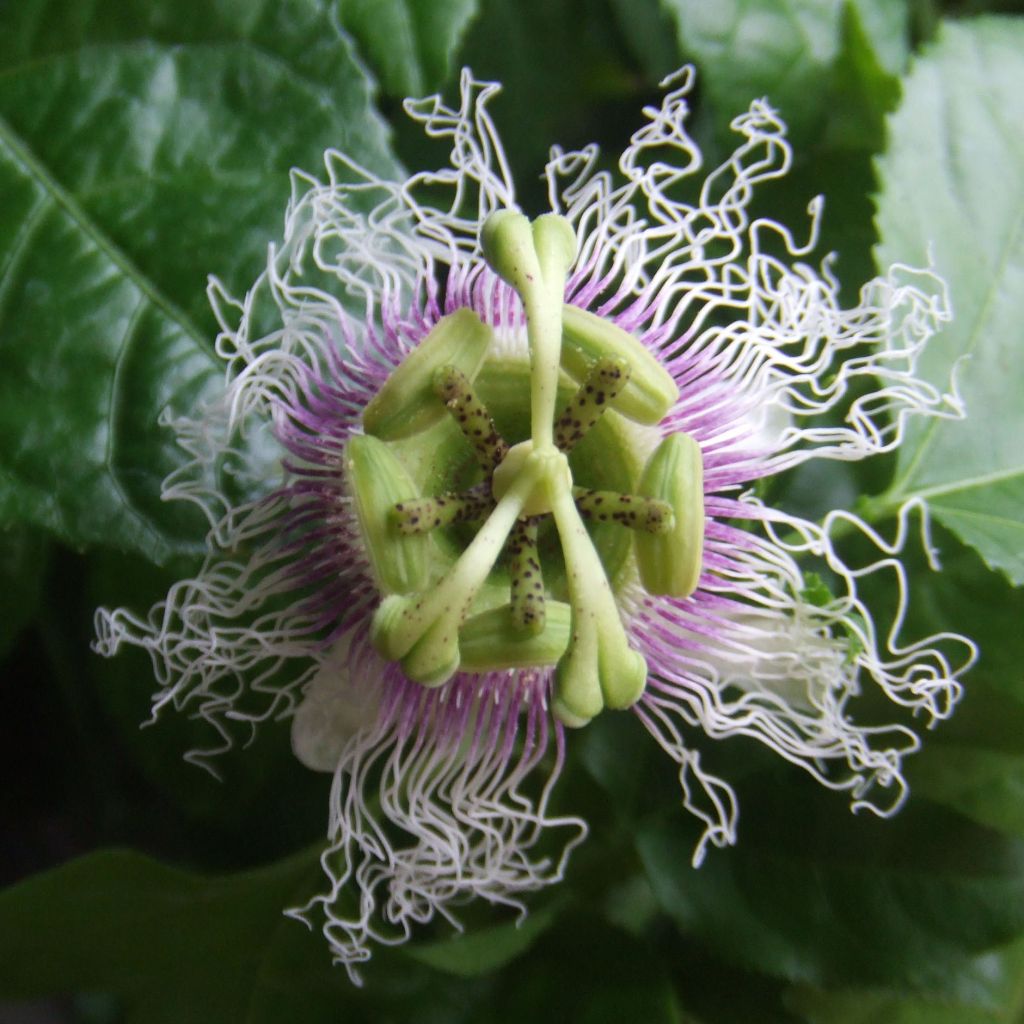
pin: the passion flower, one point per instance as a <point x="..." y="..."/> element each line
<point x="476" y="478"/>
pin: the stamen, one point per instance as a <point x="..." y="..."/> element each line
<point x="422" y="630"/>
<point x="585" y="337"/>
<point x="421" y="515"/>
<point x="604" y="382"/>
<point x="454" y="389"/>
<point x="671" y="563"/>
<point x="527" y="600"/>
<point x="633" y="511"/>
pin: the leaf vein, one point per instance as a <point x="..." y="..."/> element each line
<point x="59" y="195"/>
<point x="1013" y="238"/>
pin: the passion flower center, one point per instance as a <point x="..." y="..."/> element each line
<point x="449" y="603"/>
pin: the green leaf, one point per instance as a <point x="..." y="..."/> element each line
<point x="142" y="146"/>
<point x="410" y="43"/>
<point x="648" y="32"/>
<point x="170" y="944"/>
<point x="566" y="81"/>
<point x="584" y="972"/>
<point x="864" y="91"/>
<point x="762" y="48"/>
<point x="952" y="186"/>
<point x="786" y="51"/>
<point x="985" y="785"/>
<point x="92" y="356"/>
<point x="810" y="896"/>
<point x="483" y="950"/>
<point x="865" y="1006"/>
<point x="23" y="560"/>
<point x="886" y="23"/>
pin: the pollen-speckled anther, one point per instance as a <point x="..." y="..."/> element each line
<point x="604" y="382"/>
<point x="453" y="387"/>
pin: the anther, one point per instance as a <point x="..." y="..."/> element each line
<point x="637" y="513"/>
<point x="527" y="598"/>
<point x="605" y="380"/>
<point x="454" y="389"/>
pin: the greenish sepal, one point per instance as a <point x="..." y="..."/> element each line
<point x="670" y="563"/>
<point x="507" y="243"/>
<point x="650" y="392"/>
<point x="435" y="657"/>
<point x="555" y="243"/>
<point x="491" y="641"/>
<point x="407" y="402"/>
<point x="377" y="482"/>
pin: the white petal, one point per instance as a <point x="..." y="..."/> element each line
<point x="334" y="709"/>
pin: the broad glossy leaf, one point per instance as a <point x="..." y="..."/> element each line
<point x="648" y="32"/>
<point x="952" y="187"/>
<point x="23" y="561"/>
<point x="92" y="355"/>
<point x="864" y="89"/>
<point x="565" y="81"/>
<point x="809" y="896"/>
<point x="986" y="785"/>
<point x="485" y="949"/>
<point x="409" y="43"/>
<point x="1001" y="1004"/>
<point x="757" y="48"/>
<point x="886" y="23"/>
<point x="782" y="51"/>
<point x="142" y="146"/>
<point x="175" y="125"/>
<point x="171" y="945"/>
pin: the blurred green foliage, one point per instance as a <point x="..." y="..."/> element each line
<point x="146" y="144"/>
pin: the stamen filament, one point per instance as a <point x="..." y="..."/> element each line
<point x="629" y="510"/>
<point x="401" y="622"/>
<point x="604" y="382"/>
<point x="455" y="390"/>
<point x="527" y="598"/>
<point x="421" y="515"/>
